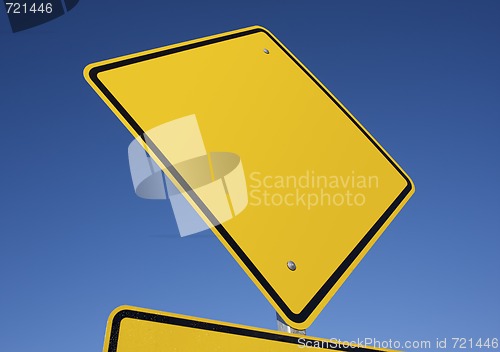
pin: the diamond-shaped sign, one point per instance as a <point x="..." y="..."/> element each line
<point x="317" y="191"/>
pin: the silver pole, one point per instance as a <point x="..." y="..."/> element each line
<point x="282" y="326"/>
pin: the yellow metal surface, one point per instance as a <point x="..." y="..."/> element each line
<point x="319" y="189"/>
<point x="132" y="329"/>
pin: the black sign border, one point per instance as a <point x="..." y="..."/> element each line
<point x="302" y="341"/>
<point x="348" y="261"/>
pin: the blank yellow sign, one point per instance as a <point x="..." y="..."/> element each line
<point x="132" y="329"/>
<point x="318" y="191"/>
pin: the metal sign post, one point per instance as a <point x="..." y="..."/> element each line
<point x="282" y="326"/>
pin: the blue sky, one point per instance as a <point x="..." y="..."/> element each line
<point x="422" y="77"/>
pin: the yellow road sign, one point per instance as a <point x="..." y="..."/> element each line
<point x="132" y="329"/>
<point x="318" y="190"/>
